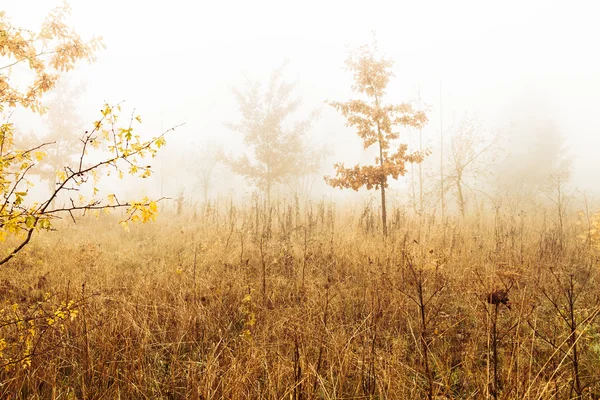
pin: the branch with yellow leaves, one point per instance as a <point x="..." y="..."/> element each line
<point x="125" y="147"/>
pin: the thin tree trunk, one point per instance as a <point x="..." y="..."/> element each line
<point x="573" y="337"/>
<point x="461" y="199"/>
<point x="268" y="194"/>
<point x="383" y="183"/>
<point x="424" y="339"/>
<point x="421" y="173"/>
<point x="268" y="209"/>
<point x="442" y="158"/>
<point x="205" y="193"/>
<point x="496" y="387"/>
<point x="383" y="211"/>
<point x="421" y="163"/>
<point x="412" y="175"/>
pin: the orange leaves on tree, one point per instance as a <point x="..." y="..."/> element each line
<point x="54" y="48"/>
<point x="375" y="123"/>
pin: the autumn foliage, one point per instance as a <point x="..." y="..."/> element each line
<point x="376" y="123"/>
<point x="41" y="56"/>
<point x="53" y="49"/>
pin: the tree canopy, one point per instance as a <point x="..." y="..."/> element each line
<point x="43" y="54"/>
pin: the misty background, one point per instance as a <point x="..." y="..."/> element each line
<point x="528" y="71"/>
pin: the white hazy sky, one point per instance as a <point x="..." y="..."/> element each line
<point x="176" y="61"/>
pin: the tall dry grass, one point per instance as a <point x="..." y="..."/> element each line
<point x="232" y="303"/>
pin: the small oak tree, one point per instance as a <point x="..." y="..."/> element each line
<point x="376" y="123"/>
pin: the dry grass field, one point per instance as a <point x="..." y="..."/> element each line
<point x="235" y="303"/>
<point x="483" y="283"/>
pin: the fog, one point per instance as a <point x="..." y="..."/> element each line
<point x="520" y="67"/>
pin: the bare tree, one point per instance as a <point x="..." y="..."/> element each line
<point x="203" y="162"/>
<point x="560" y="194"/>
<point x="472" y="151"/>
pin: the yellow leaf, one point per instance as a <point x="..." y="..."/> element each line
<point x="62" y="176"/>
<point x="125" y="225"/>
<point x="160" y="142"/>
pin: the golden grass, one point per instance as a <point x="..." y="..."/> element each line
<point x="314" y="304"/>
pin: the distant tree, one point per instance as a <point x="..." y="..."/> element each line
<point x="65" y="128"/>
<point x="311" y="160"/>
<point x="277" y="147"/>
<point x="472" y="150"/>
<point x="560" y="193"/>
<point x="202" y="163"/>
<point x="179" y="200"/>
<point x="419" y="210"/>
<point x="536" y="150"/>
<point x="376" y="123"/>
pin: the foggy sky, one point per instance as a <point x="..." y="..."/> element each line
<point x="177" y="61"/>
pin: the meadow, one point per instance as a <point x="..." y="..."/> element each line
<point x="233" y="302"/>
